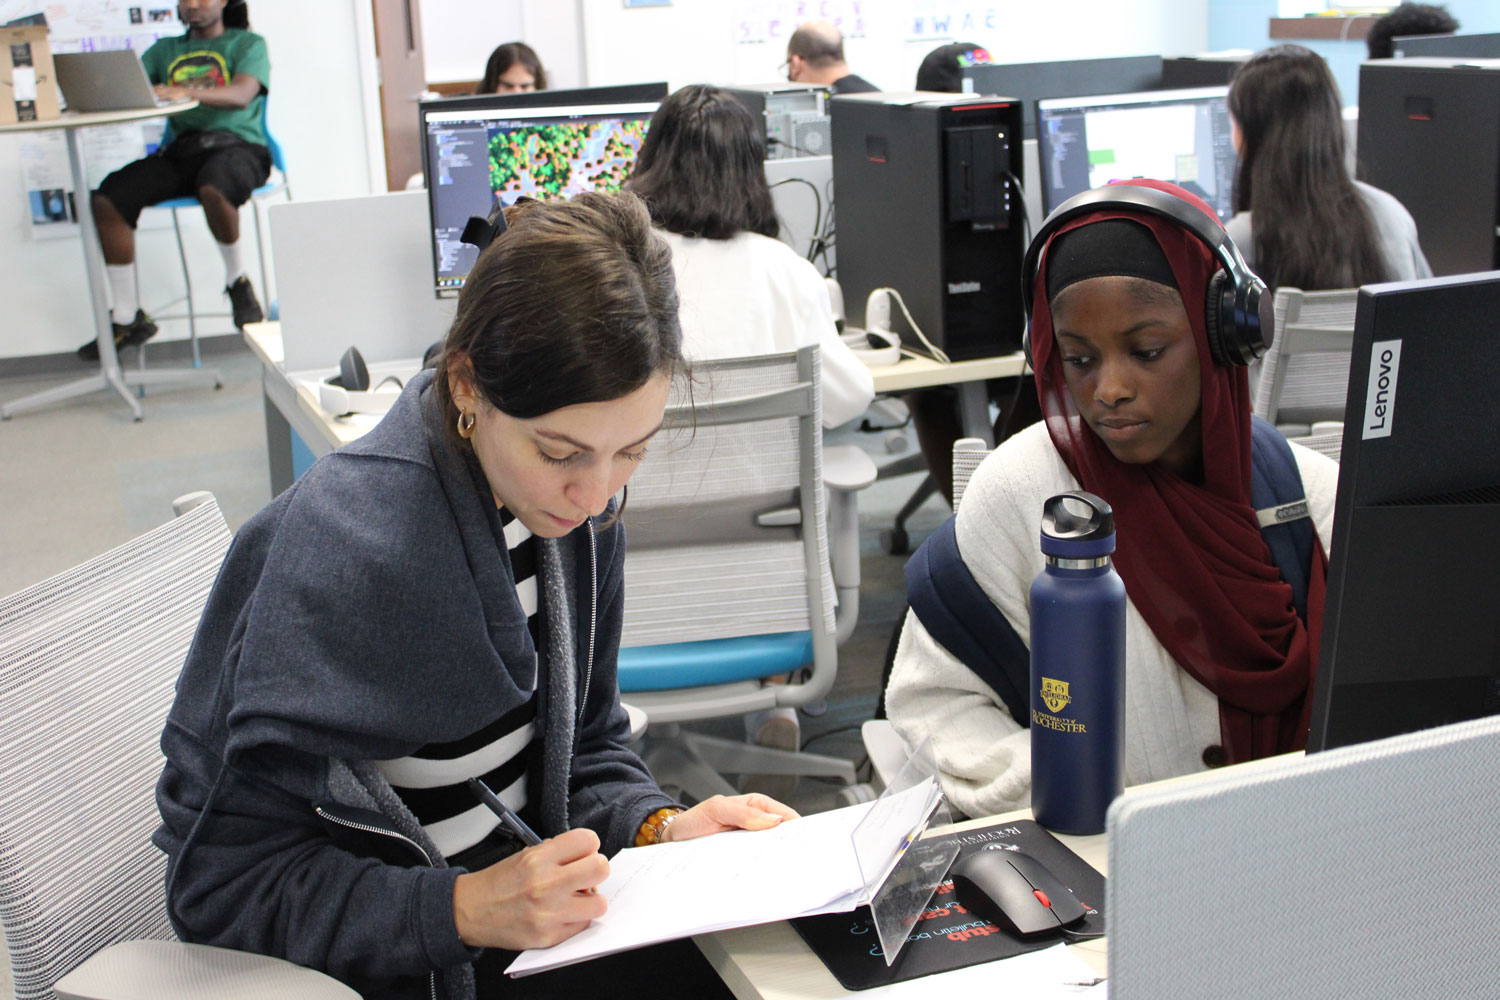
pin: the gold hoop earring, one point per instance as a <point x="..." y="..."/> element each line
<point x="466" y="425"/>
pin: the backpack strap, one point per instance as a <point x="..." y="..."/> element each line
<point x="1281" y="507"/>
<point x="956" y="611"/>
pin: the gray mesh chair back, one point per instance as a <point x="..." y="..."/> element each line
<point x="967" y="454"/>
<point x="1304" y="377"/>
<point x="1366" y="871"/>
<point x="88" y="663"/>
<point x="726" y="527"/>
<point x="715" y="517"/>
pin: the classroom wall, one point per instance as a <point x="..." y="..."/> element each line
<point x="318" y="112"/>
<point x="458" y="37"/>
<point x="713" y="41"/>
<point x="1245" y="24"/>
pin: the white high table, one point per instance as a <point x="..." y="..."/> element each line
<point x="110" y="375"/>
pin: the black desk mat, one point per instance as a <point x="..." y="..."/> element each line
<point x="946" y="936"/>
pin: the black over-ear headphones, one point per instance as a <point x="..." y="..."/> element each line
<point x="1239" y="318"/>
<point x="481" y="232"/>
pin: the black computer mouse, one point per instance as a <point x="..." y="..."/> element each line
<point x="1017" y="891"/>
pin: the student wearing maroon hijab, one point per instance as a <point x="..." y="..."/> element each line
<point x="1221" y="641"/>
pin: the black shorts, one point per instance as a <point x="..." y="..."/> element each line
<point x="233" y="165"/>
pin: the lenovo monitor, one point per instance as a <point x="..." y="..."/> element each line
<point x="1411" y="639"/>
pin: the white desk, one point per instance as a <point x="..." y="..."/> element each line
<point x="968" y="377"/>
<point x="110" y="375"/>
<point x="290" y="404"/>
<point x="772" y="962"/>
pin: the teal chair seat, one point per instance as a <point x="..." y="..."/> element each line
<point x="713" y="661"/>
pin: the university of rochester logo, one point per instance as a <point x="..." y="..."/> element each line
<point x="1055" y="694"/>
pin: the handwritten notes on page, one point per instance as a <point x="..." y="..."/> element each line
<point x="735" y="879"/>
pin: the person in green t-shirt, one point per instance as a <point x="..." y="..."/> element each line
<point x="217" y="153"/>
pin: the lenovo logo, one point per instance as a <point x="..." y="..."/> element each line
<point x="1380" y="396"/>
<point x="963" y="287"/>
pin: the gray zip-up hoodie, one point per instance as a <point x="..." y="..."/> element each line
<point x="364" y="613"/>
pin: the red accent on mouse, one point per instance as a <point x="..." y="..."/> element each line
<point x="1019" y="892"/>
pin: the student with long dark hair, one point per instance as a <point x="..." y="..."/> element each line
<point x="1144" y="410"/>
<point x="1301" y="220"/>
<point x="218" y="154"/>
<point x="435" y="603"/>
<point x="702" y="173"/>
<point x="513" y="68"/>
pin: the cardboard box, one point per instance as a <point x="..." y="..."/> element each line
<point x="28" y="85"/>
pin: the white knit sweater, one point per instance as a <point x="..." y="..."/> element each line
<point x="984" y="754"/>
<point x="751" y="295"/>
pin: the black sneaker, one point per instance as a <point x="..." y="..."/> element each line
<point x="242" y="298"/>
<point x="132" y="334"/>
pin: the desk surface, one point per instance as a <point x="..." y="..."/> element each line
<point x="919" y="373"/>
<point x="335" y="432"/>
<point x="83" y="119"/>
<point x="772" y="962"/>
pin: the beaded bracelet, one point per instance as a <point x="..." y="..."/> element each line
<point x="655" y="828"/>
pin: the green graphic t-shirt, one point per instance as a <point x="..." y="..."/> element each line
<point x="184" y="61"/>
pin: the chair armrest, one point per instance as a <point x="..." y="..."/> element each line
<point x="174" y="970"/>
<point x="847" y="468"/>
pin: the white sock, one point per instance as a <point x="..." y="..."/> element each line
<point x="122" y="292"/>
<point x="233" y="265"/>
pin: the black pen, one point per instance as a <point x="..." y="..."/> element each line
<point x="508" y="817"/>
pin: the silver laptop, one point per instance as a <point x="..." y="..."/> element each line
<point x="104" y="81"/>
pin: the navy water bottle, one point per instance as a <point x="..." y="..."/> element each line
<point x="1077" y="667"/>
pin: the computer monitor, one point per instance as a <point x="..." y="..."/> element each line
<point x="1474" y="46"/>
<point x="1410" y="634"/>
<point x="545" y="146"/>
<point x="1180" y="136"/>
<point x="1030" y="82"/>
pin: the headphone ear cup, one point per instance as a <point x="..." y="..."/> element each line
<point x="1219" y="318"/>
<point x="353" y="374"/>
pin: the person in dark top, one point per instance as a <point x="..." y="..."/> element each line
<point x="815" y="54"/>
<point x="1408" y="19"/>
<point x="218" y="154"/>
<point x="441" y="601"/>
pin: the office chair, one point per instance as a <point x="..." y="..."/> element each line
<point x="276" y="182"/>
<point x="88" y="663"/>
<point x="1304" y="377"/>
<point x="729" y="577"/>
<point x="887" y="751"/>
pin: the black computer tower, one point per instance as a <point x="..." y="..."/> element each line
<point x="1429" y="133"/>
<point x="924" y="206"/>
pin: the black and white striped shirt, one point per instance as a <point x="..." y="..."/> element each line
<point x="431" y="782"/>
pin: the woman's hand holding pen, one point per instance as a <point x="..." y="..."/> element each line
<point x="721" y="813"/>
<point x="534" y="898"/>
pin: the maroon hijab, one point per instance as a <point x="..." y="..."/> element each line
<point x="1191" y="555"/>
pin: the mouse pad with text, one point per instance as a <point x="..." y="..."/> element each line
<point x="948" y="936"/>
